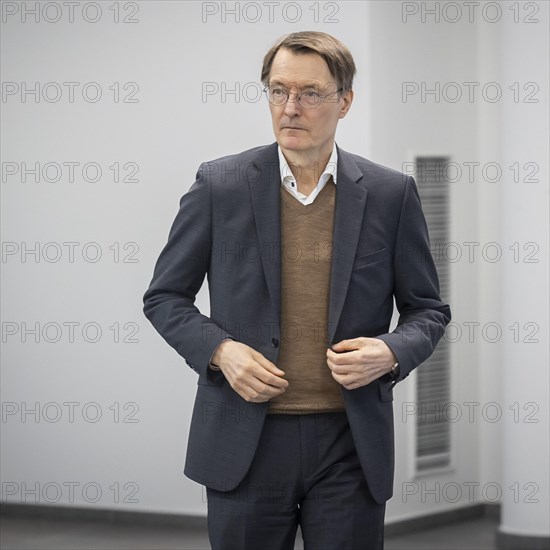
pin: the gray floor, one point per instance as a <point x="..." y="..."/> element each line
<point x="18" y="533"/>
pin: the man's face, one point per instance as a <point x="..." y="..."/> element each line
<point x="300" y="128"/>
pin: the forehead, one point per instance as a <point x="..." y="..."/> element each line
<point x="302" y="70"/>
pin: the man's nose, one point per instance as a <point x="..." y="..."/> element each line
<point x="292" y="106"/>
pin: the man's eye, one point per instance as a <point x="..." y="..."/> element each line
<point x="277" y="91"/>
<point x="312" y="95"/>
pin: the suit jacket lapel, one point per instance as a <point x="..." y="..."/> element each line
<point x="348" y="217"/>
<point x="264" y="193"/>
<point x="264" y="187"/>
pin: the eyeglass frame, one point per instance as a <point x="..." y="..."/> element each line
<point x="299" y="97"/>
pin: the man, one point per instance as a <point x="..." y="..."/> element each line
<point x="305" y="246"/>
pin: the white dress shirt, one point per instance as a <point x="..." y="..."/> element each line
<point x="288" y="181"/>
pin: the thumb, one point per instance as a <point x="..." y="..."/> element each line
<point x="345" y="344"/>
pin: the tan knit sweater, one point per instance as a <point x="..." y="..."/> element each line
<point x="306" y="242"/>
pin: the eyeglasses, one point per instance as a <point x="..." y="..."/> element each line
<point x="277" y="95"/>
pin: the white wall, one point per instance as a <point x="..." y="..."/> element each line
<point x="524" y="218"/>
<point x="171" y="53"/>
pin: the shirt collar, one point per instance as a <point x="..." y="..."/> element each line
<point x="330" y="170"/>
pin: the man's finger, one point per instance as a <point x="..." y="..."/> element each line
<point x="341" y="358"/>
<point x="268" y="365"/>
<point x="271" y="379"/>
<point x="269" y="373"/>
<point x="351" y="343"/>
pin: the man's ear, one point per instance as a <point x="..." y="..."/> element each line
<point x="348" y="100"/>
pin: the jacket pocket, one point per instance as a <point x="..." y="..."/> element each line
<point x="370" y="258"/>
<point x="212" y="378"/>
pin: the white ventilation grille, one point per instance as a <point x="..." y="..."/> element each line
<point x="433" y="434"/>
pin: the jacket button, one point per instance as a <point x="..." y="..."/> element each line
<point x="275" y="342"/>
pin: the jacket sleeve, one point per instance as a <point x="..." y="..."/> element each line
<point x="178" y="275"/>
<point x="422" y="315"/>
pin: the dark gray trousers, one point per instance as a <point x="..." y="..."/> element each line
<point x="305" y="472"/>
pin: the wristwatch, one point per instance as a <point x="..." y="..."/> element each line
<point x="394" y="373"/>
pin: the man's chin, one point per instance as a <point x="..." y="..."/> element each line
<point x="292" y="143"/>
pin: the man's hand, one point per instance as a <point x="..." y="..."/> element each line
<point x="251" y="375"/>
<point x="364" y="360"/>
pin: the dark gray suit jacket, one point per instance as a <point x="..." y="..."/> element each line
<point x="228" y="228"/>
